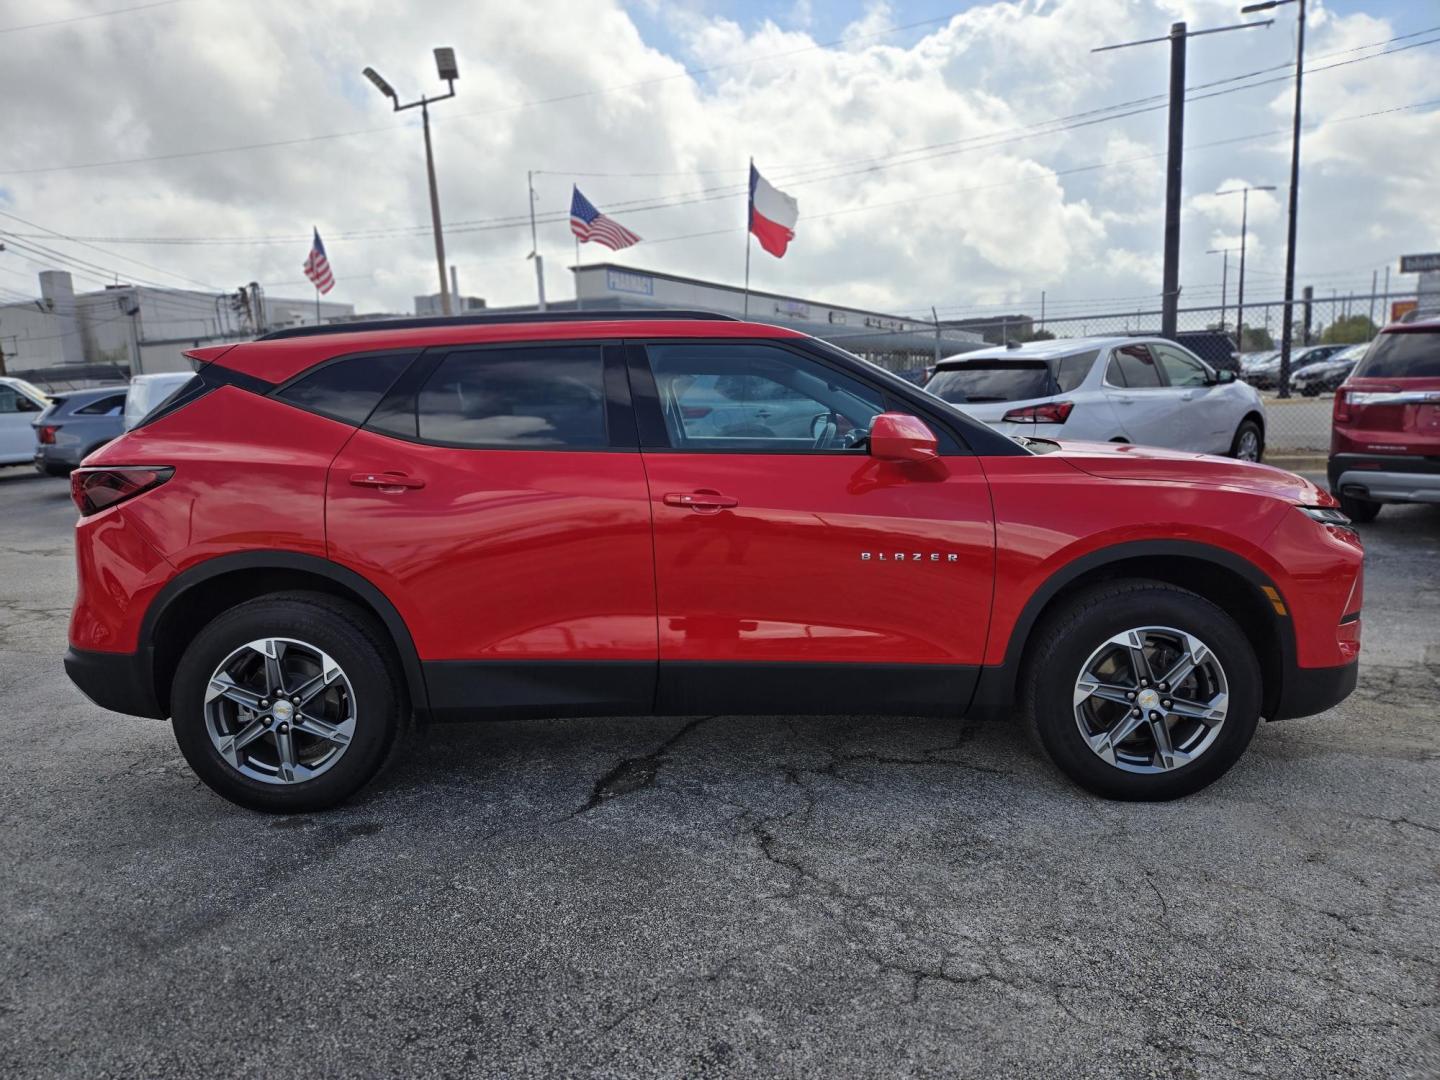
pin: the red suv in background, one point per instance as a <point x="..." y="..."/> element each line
<point x="1385" y="441"/>
<point x="332" y="532"/>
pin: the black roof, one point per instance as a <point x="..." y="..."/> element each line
<point x="424" y="322"/>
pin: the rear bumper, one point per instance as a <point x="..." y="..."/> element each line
<point x="1308" y="691"/>
<point x="1386" y="477"/>
<point x="120" y="682"/>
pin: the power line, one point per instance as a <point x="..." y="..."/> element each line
<point x="684" y="73"/>
<point x="831" y="171"/>
<point x="92" y="15"/>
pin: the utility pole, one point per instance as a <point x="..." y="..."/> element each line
<point x="1042" y="309"/>
<point x="1384" y="317"/>
<point x="1174" y="165"/>
<point x="535" y="243"/>
<point x="1244" y="193"/>
<point x="1309" y="295"/>
<point x="1286" y="331"/>
<point x="1224" y="282"/>
<point x="448" y="71"/>
<point x="936" y="316"/>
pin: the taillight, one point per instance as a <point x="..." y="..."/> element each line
<point x="1052" y="412"/>
<point x="46" y="434"/>
<point x="95" y="489"/>
<point x="1342" y="406"/>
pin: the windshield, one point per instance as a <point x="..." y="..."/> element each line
<point x="31" y="389"/>
<point x="1408" y="354"/>
<point x="980" y="381"/>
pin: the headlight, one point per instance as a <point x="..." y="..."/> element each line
<point x="1326" y="515"/>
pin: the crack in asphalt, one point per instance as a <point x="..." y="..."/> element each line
<point x="634" y="774"/>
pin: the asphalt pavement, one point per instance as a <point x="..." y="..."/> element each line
<point x="721" y="897"/>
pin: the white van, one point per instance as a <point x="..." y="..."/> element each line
<point x="148" y="391"/>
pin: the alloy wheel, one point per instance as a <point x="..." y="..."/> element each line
<point x="1151" y="699"/>
<point x="1249" y="447"/>
<point x="280" y="711"/>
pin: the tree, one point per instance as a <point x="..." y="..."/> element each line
<point x="1257" y="339"/>
<point x="1037" y="335"/>
<point x="1349" y="330"/>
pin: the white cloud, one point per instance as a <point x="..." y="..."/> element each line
<point x="991" y="210"/>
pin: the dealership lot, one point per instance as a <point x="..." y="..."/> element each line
<point x="722" y="896"/>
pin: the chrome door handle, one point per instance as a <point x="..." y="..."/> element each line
<point x="705" y="502"/>
<point x="390" y="482"/>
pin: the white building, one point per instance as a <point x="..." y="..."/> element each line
<point x="65" y="338"/>
<point x="892" y="340"/>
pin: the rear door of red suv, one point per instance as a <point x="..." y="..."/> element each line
<point x="1387" y="413"/>
<point x="793" y="571"/>
<point x="497" y="497"/>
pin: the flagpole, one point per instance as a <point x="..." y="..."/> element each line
<point x="535" y="243"/>
<point x="317" y="305"/>
<point x="577" y="273"/>
<point x="749" y="216"/>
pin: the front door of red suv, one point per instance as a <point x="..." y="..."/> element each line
<point x="793" y="571"/>
<point x="497" y="497"/>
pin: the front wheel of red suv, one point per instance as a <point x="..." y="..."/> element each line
<point x="288" y="703"/>
<point x="1140" y="690"/>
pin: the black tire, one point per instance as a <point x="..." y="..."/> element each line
<point x="355" y="642"/>
<point x="1065" y="641"/>
<point x="1360" y="511"/>
<point x="1251" y="427"/>
<point x="1311" y="391"/>
<point x="57" y="470"/>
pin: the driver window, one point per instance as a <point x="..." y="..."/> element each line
<point x="9" y="400"/>
<point x="758" y="397"/>
<point x="1180" y="369"/>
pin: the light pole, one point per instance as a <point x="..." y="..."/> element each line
<point x="1224" y="281"/>
<point x="1174" y="160"/>
<point x="445" y="65"/>
<point x="1286" y="331"/>
<point x="1244" y="194"/>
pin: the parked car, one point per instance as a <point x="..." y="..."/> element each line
<point x="74" y="425"/>
<point x="1266" y="374"/>
<point x="1326" y="375"/>
<point x="20" y="403"/>
<point x="1385" y="440"/>
<point x="1213" y="346"/>
<point x="148" y="391"/>
<point x="332" y="532"/>
<point x="1107" y="389"/>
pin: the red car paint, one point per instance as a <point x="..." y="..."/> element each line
<point x="663" y="557"/>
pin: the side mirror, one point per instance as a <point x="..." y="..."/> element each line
<point x="1224" y="376"/>
<point x="898" y="437"/>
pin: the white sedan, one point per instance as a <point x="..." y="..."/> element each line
<point x="1107" y="389"/>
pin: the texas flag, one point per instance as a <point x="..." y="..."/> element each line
<point x="772" y="214"/>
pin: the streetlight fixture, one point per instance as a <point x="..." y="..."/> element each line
<point x="448" y="71"/>
<point x="1286" y="331"/>
<point x="1244" y="193"/>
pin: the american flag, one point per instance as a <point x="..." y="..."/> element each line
<point x="317" y="267"/>
<point x="588" y="224"/>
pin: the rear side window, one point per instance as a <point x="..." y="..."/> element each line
<point x="113" y="405"/>
<point x="347" y="389"/>
<point x="979" y="382"/>
<point x="1070" y="371"/>
<point x="1407" y="355"/>
<point x="529" y="398"/>
<point x="1133" y="366"/>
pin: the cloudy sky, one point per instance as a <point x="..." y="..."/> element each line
<point x="966" y="155"/>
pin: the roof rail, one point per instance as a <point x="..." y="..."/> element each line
<point x="428" y="322"/>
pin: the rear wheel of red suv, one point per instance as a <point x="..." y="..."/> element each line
<point x="1141" y="690"/>
<point x="1360" y="511"/>
<point x="288" y="703"/>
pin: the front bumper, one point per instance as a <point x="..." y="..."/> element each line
<point x="1386" y="478"/>
<point x="120" y="682"/>
<point x="1308" y="691"/>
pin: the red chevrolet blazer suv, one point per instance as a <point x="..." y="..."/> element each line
<point x="332" y="533"/>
